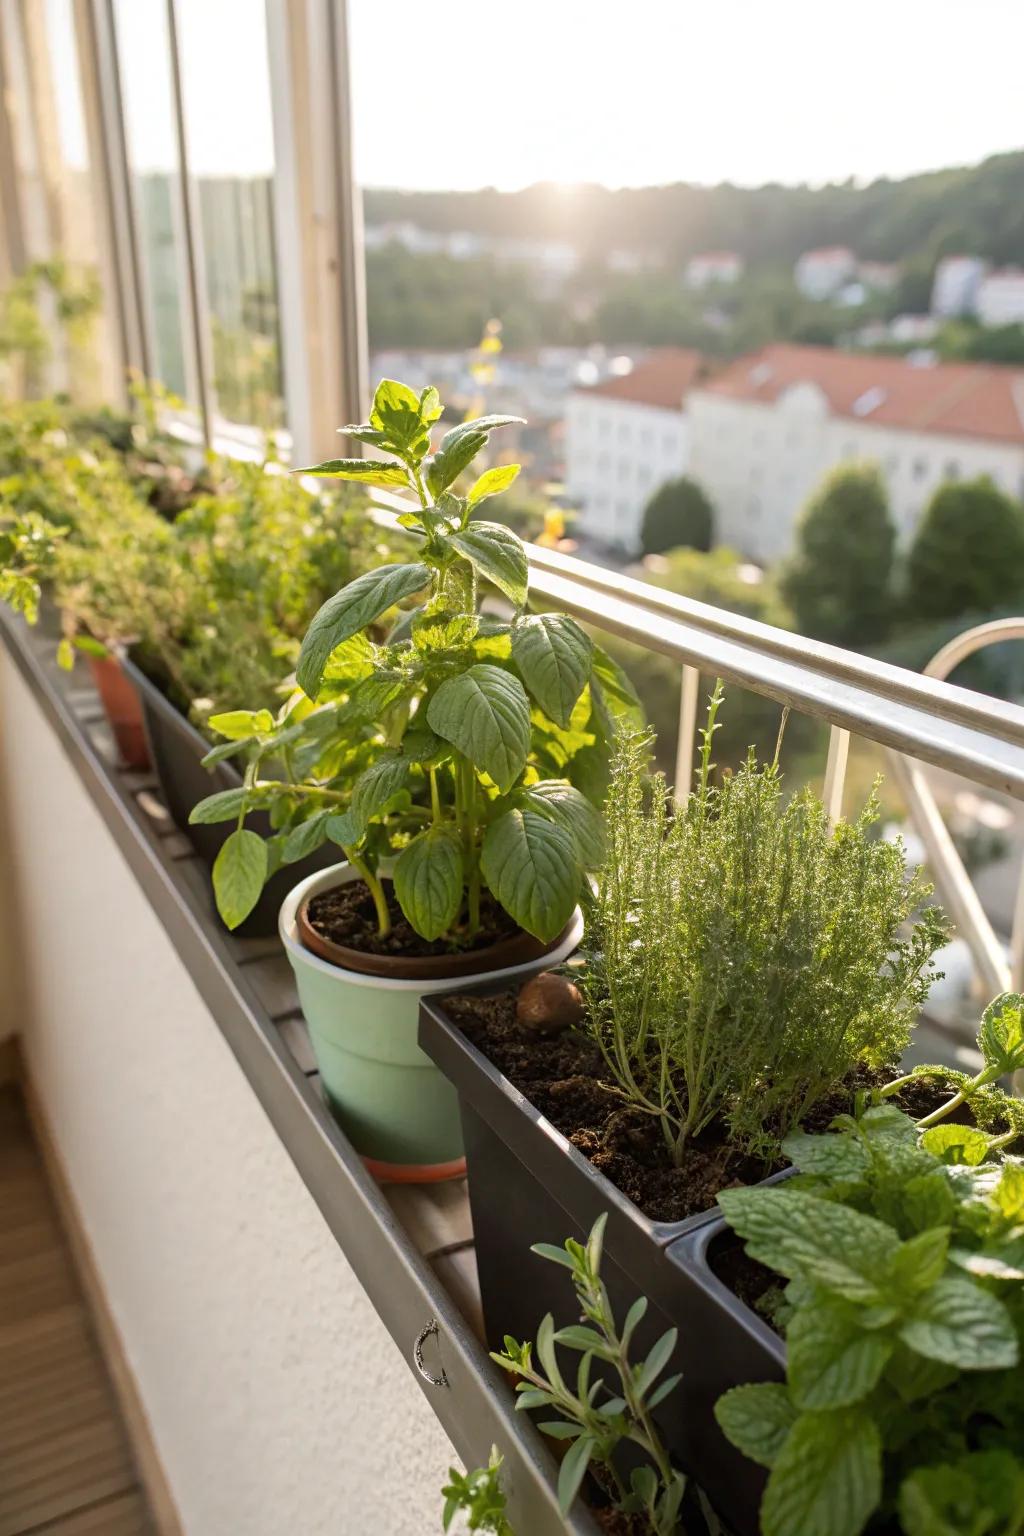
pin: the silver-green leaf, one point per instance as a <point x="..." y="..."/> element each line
<point x="351" y="610"/>
<point x="429" y="881"/>
<point x="498" y="554"/>
<point x="485" y="715"/>
<point x="529" y="863"/>
<point x="554" y="659"/>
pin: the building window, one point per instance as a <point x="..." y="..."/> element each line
<point x="952" y="470"/>
<point x="920" y="469"/>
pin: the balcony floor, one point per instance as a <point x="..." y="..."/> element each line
<point x="65" y="1464"/>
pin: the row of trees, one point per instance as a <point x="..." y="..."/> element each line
<point x="846" y="582"/>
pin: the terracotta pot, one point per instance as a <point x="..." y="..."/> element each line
<point x="123" y="709"/>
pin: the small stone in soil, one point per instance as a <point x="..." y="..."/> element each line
<point x="549" y="1004"/>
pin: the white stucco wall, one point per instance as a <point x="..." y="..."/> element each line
<point x="618" y="452"/>
<point x="279" y="1404"/>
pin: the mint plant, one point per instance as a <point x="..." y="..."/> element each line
<point x="903" y="1248"/>
<point x="595" y="1420"/>
<point x="743" y="956"/>
<point x="478" y="1495"/>
<point x="457" y="749"/>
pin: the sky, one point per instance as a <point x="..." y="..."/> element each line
<point x="466" y="93"/>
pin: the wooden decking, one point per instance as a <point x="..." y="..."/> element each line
<point x="65" y="1464"/>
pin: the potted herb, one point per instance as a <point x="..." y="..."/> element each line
<point x="898" y="1255"/>
<point x="747" y="968"/>
<point x="440" y="763"/>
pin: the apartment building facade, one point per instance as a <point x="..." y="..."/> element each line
<point x="763" y="432"/>
<point x="624" y="438"/>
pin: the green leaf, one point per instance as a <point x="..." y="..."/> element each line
<point x="553" y="656"/>
<point x="431" y="408"/>
<point x="228" y="749"/>
<point x="485" y="715"/>
<point x="380" y="472"/>
<point x="345" y="830"/>
<point x="492" y="482"/>
<point x="663" y="1389"/>
<point x="1001" y="1035"/>
<point x="959" y="1144"/>
<point x="65" y="653"/>
<point x="306" y="838"/>
<point x="396" y="411"/>
<point x="529" y="863"/>
<point x="556" y="1255"/>
<point x="921" y="1260"/>
<point x="617" y="692"/>
<point x="827" y="1477"/>
<point x="657" y="1359"/>
<point x="560" y="1429"/>
<point x="960" y="1324"/>
<point x="634" y="1316"/>
<point x="982" y="1494"/>
<point x="429" y="880"/>
<point x="351" y="610"/>
<point x="237" y="724"/>
<point x="997" y="1261"/>
<point x="223" y="806"/>
<point x="1008" y="1194"/>
<point x="572" y="1471"/>
<point x="378" y="788"/>
<point x="832" y="1363"/>
<point x="757" y="1419"/>
<point x="572" y="810"/>
<point x="459" y="446"/>
<point x="498" y="554"/>
<point x="238" y="875"/>
<point x="834" y="1156"/>
<point x="802" y="1236"/>
<point x="481" y="424"/>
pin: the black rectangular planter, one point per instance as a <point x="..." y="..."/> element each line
<point x="177" y="750"/>
<point x="529" y="1184"/>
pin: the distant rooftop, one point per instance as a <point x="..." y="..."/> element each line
<point x="661" y="378"/>
<point x="960" y="399"/>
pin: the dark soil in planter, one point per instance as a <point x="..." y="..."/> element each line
<point x="346" y="915"/>
<point x="561" y="1076"/>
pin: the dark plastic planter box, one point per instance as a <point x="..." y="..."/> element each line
<point x="177" y="750"/>
<point x="529" y="1184"/>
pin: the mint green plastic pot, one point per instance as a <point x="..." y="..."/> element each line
<point x="389" y="1098"/>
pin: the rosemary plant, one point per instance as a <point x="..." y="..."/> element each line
<point x="744" y="956"/>
<point x="595" y="1420"/>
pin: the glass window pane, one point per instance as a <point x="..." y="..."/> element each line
<point x="145" y="64"/>
<point x="229" y="133"/>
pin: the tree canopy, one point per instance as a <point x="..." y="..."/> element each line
<point x="677" y="515"/>
<point x="968" y="553"/>
<point x="838" y="582"/>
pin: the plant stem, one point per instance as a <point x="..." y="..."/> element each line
<point x="988" y="1075"/>
<point x="435" y="798"/>
<point x="375" y="888"/>
<point x="466" y="786"/>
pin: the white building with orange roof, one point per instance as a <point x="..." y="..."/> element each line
<point x="820" y="274"/>
<point x="624" y="438"/>
<point x="766" y="429"/>
<point x="713" y="267"/>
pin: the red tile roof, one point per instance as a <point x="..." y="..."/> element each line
<point x="660" y="378"/>
<point x="959" y="399"/>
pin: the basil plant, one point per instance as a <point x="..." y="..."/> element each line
<point x="460" y="751"/>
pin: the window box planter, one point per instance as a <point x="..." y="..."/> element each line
<point x="176" y="751"/>
<point x="528" y="1184"/>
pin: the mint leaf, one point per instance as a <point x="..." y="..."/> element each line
<point x="397" y="412"/>
<point x="956" y="1144"/>
<point x="485" y="715"/>
<point x="1001" y="1035"/>
<point x="239" y="872"/>
<point x="805" y="1237"/>
<point x="529" y="863"/>
<point x="492" y="482"/>
<point x="960" y="1324"/>
<point x="497" y="554"/>
<point x="429" y="881"/>
<point x="553" y="657"/>
<point x="827" y="1478"/>
<point x="351" y="610"/>
<point x="835" y="1156"/>
<point x="832" y="1362"/>
<point x="757" y="1418"/>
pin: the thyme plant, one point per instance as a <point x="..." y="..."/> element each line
<point x="458" y="747"/>
<point x="743" y="955"/>
<point x="478" y="1495"/>
<point x="594" y="1419"/>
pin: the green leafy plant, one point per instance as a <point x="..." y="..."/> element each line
<point x="594" y="1419"/>
<point x="902" y="1246"/>
<point x="743" y="956"/>
<point x="478" y="1495"/>
<point x="460" y="747"/>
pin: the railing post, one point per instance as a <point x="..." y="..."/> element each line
<point x="689" y="688"/>
<point x="835" y="773"/>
